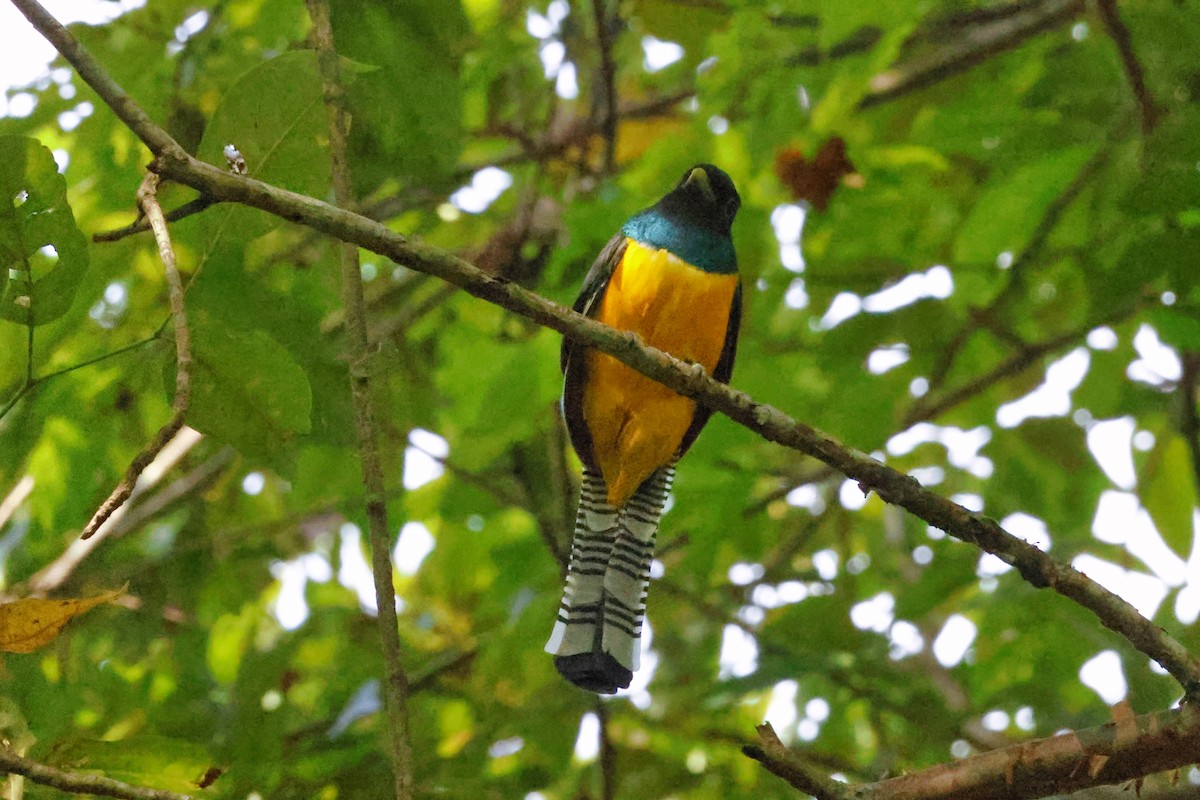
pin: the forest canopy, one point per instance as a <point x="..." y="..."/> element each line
<point x="965" y="523"/>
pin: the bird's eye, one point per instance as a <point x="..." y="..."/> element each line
<point x="731" y="207"/>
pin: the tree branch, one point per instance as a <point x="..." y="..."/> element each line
<point x="1116" y="29"/>
<point x="194" y="206"/>
<point x="1020" y="266"/>
<point x="781" y="761"/>
<point x="80" y="783"/>
<point x="51" y="576"/>
<point x="608" y="753"/>
<point x="1111" y="753"/>
<point x="396" y="685"/>
<point x="124" y="106"/>
<point x="930" y="407"/>
<point x="147" y="199"/>
<point x="1035" y="566"/>
<point x="27" y="387"/>
<point x="772" y="424"/>
<point x="979" y="44"/>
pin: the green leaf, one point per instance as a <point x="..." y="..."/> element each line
<point x="275" y="116"/>
<point x="144" y="760"/>
<point x="1176" y="328"/>
<point x="1168" y="491"/>
<point x="407" y="113"/>
<point x="685" y="22"/>
<point x="1005" y="216"/>
<point x="247" y="391"/>
<point x="1169" y="181"/>
<point x="41" y="247"/>
<point x="229" y="636"/>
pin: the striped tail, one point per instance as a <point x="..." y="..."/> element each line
<point x="595" y="639"/>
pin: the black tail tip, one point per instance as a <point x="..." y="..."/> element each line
<point x="594" y="672"/>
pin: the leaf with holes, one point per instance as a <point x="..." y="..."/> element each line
<point x="42" y="250"/>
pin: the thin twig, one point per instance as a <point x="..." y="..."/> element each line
<point x="80" y="783"/>
<point x="147" y="199"/>
<point x="608" y="753"/>
<point x="194" y="206"/>
<point x="29" y="336"/>
<point x="779" y="760"/>
<point x="51" y="576"/>
<point x="28" y="387"/>
<point x="930" y="407"/>
<point x="396" y="685"/>
<point x="976" y="46"/>
<point x="1117" y="30"/>
<point x="1021" y="264"/>
<point x="196" y="480"/>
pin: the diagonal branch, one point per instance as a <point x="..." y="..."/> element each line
<point x="1117" y="30"/>
<point x="194" y="206"/>
<point x="148" y="200"/>
<point x="54" y="574"/>
<point x="775" y="756"/>
<point x="1036" y="567"/>
<point x="78" y="782"/>
<point x="976" y="46"/>
<point x="1112" y="753"/>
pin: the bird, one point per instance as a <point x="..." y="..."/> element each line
<point x="670" y="277"/>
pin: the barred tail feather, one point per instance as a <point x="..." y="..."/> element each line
<point x="596" y="636"/>
<point x="575" y="631"/>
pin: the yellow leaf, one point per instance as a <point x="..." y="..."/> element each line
<point x="26" y="625"/>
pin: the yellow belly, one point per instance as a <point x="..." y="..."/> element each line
<point x="637" y="424"/>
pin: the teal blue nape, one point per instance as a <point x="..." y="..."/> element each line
<point x="699" y="247"/>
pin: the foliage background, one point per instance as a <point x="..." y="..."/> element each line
<point x="1054" y="221"/>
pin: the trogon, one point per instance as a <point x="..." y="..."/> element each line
<point x="669" y="276"/>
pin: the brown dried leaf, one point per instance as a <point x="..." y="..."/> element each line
<point x="26" y="625"/>
<point x="1096" y="764"/>
<point x="815" y="180"/>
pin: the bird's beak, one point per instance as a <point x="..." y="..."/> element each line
<point x="699" y="178"/>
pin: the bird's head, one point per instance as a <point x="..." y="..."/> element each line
<point x="705" y="197"/>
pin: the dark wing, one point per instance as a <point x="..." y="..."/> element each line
<point x="572" y="361"/>
<point x="723" y="372"/>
